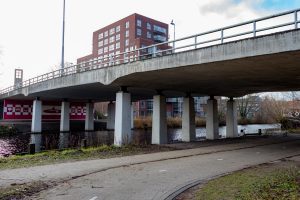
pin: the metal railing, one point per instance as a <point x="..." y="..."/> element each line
<point x="217" y="36"/>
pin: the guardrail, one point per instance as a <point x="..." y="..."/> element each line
<point x="250" y="29"/>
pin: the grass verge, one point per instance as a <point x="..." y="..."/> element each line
<point x="59" y="156"/>
<point x="270" y="181"/>
<point x="20" y="191"/>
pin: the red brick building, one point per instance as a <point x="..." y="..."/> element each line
<point x="127" y="34"/>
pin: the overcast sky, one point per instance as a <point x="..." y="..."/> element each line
<point x="31" y="30"/>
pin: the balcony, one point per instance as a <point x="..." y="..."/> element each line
<point x="159" y="38"/>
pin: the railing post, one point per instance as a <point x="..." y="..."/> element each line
<point x="222" y="36"/>
<point x="195" y="42"/>
<point x="296" y="19"/>
<point x="254" y="29"/>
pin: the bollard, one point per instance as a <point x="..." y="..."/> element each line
<point x="31" y="149"/>
<point x="83" y="143"/>
<point x="259" y="132"/>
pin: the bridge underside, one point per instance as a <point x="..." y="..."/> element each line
<point x="231" y="78"/>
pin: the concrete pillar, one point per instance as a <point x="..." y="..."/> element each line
<point x="132" y="116"/>
<point x="188" y="120"/>
<point x="123" y="119"/>
<point x="212" y="123"/>
<point x="231" y="119"/>
<point x="159" y="120"/>
<point x="36" y="124"/>
<point x="89" y="117"/>
<point x="36" y="139"/>
<point x="64" y="140"/>
<point x="111" y="110"/>
<point x="65" y="117"/>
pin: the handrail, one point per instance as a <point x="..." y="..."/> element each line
<point x="163" y="49"/>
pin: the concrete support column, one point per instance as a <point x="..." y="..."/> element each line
<point x="159" y="120"/>
<point x="231" y="119"/>
<point x="132" y="116"/>
<point x="65" y="117"/>
<point x="111" y="111"/>
<point x="188" y="120"/>
<point x="212" y="123"/>
<point x="89" y="117"/>
<point x="36" y="139"/>
<point x="123" y="119"/>
<point x="36" y="124"/>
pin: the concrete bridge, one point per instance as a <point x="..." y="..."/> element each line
<point x="258" y="60"/>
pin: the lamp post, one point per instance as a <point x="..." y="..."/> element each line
<point x="63" y="40"/>
<point x="173" y="24"/>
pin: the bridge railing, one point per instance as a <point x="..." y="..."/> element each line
<point x="261" y="26"/>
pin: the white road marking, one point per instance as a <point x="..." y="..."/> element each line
<point x="220" y="159"/>
<point x="94" y="198"/>
<point x="163" y="170"/>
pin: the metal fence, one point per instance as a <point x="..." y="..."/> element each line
<point x="280" y="22"/>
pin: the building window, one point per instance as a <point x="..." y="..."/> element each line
<point x="118" y="29"/>
<point x="106" y="41"/>
<point x="105" y="33"/>
<point x="111" y="47"/>
<point x="117" y="37"/>
<point x="159" y="29"/>
<point x="105" y="49"/>
<point x="117" y="52"/>
<point x="139" y="32"/>
<point x="127" y="49"/>
<point x="100" y="36"/>
<point x="139" y="23"/>
<point x="111" y="39"/>
<point x="149" y="35"/>
<point x="112" y="31"/>
<point x="148" y="26"/>
<point x="127" y="33"/>
<point x="127" y="25"/>
<point x="117" y="45"/>
<point x="126" y="42"/>
<point x="100" y="43"/>
<point x="100" y="51"/>
<point x="131" y="48"/>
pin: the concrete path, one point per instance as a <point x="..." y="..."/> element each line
<point x="67" y="171"/>
<point x="157" y="180"/>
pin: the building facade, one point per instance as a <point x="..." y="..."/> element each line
<point x="124" y="36"/>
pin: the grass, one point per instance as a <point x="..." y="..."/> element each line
<point x="58" y="156"/>
<point x="20" y="191"/>
<point x="276" y="182"/>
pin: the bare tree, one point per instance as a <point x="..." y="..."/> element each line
<point x="248" y="105"/>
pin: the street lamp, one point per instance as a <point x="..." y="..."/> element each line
<point x="173" y="24"/>
<point x="63" y="40"/>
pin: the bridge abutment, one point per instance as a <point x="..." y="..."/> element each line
<point x="123" y="119"/>
<point x="188" y="120"/>
<point x="36" y="124"/>
<point x="231" y="119"/>
<point x="65" y="117"/>
<point x="89" y="117"/>
<point x="212" y="122"/>
<point x="159" y="120"/>
<point x="111" y="111"/>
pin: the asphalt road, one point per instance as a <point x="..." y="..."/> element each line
<point x="159" y="179"/>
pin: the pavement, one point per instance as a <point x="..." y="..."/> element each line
<point x="150" y="176"/>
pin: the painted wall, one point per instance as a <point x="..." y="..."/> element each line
<point x="22" y="110"/>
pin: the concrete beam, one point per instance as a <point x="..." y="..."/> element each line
<point x="159" y="120"/>
<point x="111" y="112"/>
<point x="123" y="119"/>
<point x="231" y="119"/>
<point x="212" y="123"/>
<point x="188" y="120"/>
<point x="89" y="117"/>
<point x="65" y="116"/>
<point x="36" y="124"/>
